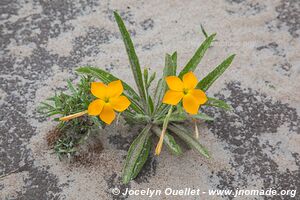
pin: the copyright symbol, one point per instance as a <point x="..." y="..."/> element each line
<point x="115" y="191"/>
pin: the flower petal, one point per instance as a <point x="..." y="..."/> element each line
<point x="174" y="83"/>
<point x="120" y="103"/>
<point x="107" y="114"/>
<point x="95" y="107"/>
<point x="189" y="80"/>
<point x="172" y="97"/>
<point x="190" y="104"/>
<point x="98" y="89"/>
<point x="199" y="95"/>
<point x="114" y="88"/>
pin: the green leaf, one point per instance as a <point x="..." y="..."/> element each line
<point x="142" y="118"/>
<point x="150" y="104"/>
<point x="207" y="81"/>
<point x="203" y="31"/>
<point x="203" y="117"/>
<point x="195" y="60"/>
<point x="158" y="89"/>
<point x="170" y="65"/>
<point x="169" y="140"/>
<point x="174" y="62"/>
<point x="53" y="113"/>
<point x="166" y="120"/>
<point x="134" y="62"/>
<point x="162" y="111"/>
<point x="135" y="118"/>
<point x="137" y="155"/>
<point x="182" y="116"/>
<point x="178" y="117"/>
<point x="175" y="117"/>
<point x="151" y="79"/>
<point x="169" y="70"/>
<point x="142" y="158"/>
<point x="146" y="76"/>
<point x="106" y="78"/>
<point x="191" y="141"/>
<point x="47" y="105"/>
<point x="71" y="88"/>
<point x="217" y="103"/>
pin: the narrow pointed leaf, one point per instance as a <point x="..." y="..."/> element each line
<point x="174" y="62"/>
<point x="133" y="59"/>
<point x="190" y="140"/>
<point x="203" y="31"/>
<point x="207" y="81"/>
<point x="71" y="88"/>
<point x="169" y="141"/>
<point x="141" y="117"/>
<point x="195" y="60"/>
<point x="142" y="158"/>
<point x="169" y="70"/>
<point x="218" y="103"/>
<point x="175" y="117"/>
<point x="137" y="155"/>
<point x="203" y="117"/>
<point x="150" y="104"/>
<point x="145" y="76"/>
<point x="178" y="117"/>
<point x="170" y="65"/>
<point x="151" y="79"/>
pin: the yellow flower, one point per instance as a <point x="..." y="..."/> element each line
<point x="184" y="89"/>
<point x="109" y="100"/>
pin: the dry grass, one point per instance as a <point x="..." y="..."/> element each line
<point x="53" y="136"/>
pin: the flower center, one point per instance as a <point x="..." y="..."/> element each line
<point x="185" y="91"/>
<point x="106" y="99"/>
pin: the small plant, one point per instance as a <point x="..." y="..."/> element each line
<point x="68" y="135"/>
<point x="176" y="99"/>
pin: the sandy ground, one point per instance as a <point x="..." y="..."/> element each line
<point x="256" y="146"/>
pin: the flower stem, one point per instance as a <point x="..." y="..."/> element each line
<point x="66" y="118"/>
<point x="161" y="139"/>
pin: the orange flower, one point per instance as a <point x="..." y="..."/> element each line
<point x="109" y="100"/>
<point x="185" y="89"/>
